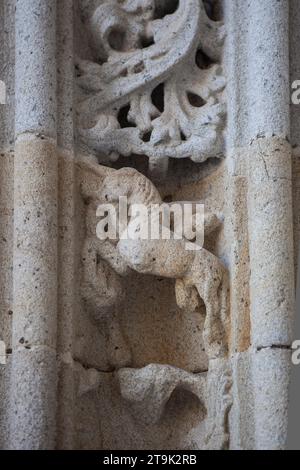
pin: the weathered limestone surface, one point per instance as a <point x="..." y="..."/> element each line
<point x="132" y="343"/>
<point x="34" y="328"/>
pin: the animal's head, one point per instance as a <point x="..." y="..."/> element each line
<point x="130" y="183"/>
<point x="120" y="183"/>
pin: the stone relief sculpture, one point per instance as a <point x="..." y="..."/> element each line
<point x="153" y="85"/>
<point x="142" y="344"/>
<point x="101" y="286"/>
<point x="199" y="276"/>
<point x="148" y="390"/>
<point x="198" y="273"/>
<point x="156" y="88"/>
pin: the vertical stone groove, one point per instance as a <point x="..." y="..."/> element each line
<point x="65" y="436"/>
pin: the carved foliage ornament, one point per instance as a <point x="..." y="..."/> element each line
<point x="156" y="88"/>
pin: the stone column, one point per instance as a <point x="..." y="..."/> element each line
<point x="33" y="380"/>
<point x="259" y="167"/>
<point x="270" y="219"/>
<point x="294" y="409"/>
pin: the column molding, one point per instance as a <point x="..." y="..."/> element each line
<point x="34" y="375"/>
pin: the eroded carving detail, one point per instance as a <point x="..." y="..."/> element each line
<point x="198" y="274"/>
<point x="148" y="390"/>
<point x="157" y="88"/>
<point x="101" y="285"/>
<point x="218" y="402"/>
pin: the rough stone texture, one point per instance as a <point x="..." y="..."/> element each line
<point x="35" y="270"/>
<point x="32" y="423"/>
<point x="294" y="69"/>
<point x="67" y="254"/>
<point x="271" y="283"/>
<point x="241" y="417"/>
<point x="138" y="344"/>
<point x="188" y="121"/>
<point x="6" y="204"/>
<point x="236" y="227"/>
<point x="35" y="70"/>
<point x="34" y="326"/>
<point x="271" y="397"/>
<point x="148" y="390"/>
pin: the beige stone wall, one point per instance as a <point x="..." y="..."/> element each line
<point x="143" y="344"/>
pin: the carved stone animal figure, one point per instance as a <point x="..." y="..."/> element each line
<point x="198" y="273"/>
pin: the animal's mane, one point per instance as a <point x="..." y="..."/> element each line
<point x="143" y="190"/>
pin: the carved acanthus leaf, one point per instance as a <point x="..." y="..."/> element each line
<point x="159" y="89"/>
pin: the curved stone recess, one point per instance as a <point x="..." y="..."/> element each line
<point x="147" y="390"/>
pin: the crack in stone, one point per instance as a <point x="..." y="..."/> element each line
<point x="274" y="346"/>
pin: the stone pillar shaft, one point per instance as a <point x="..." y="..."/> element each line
<point x="270" y="218"/>
<point x="259" y="172"/>
<point x="33" y="380"/>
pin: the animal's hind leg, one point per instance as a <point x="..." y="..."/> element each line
<point x="214" y="334"/>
